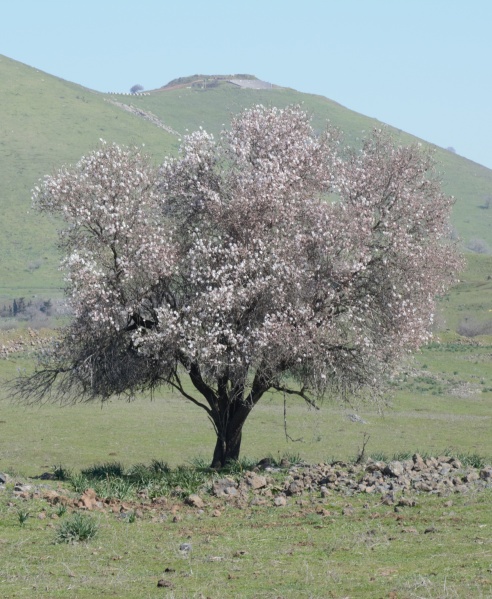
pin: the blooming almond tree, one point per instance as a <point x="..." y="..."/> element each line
<point x="269" y="259"/>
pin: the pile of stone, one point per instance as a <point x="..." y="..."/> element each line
<point x="443" y="476"/>
<point x="395" y="482"/>
<point x="24" y="341"/>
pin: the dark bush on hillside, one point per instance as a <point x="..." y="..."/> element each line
<point x="478" y="246"/>
<point x="470" y="327"/>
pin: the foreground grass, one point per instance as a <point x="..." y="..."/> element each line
<point x="442" y="402"/>
<point x="313" y="547"/>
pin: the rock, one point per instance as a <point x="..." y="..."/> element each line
<point x="430" y="530"/>
<point x="20" y="488"/>
<point x="486" y="473"/>
<point x="265" y="463"/>
<point x="4" y="478"/>
<point x="88" y="499"/>
<point x="280" y="501"/>
<point x="394" y="469"/>
<point x="418" y="462"/>
<point x="165" y="583"/>
<point x="255" y="481"/>
<point x="52" y="497"/>
<point x="257" y="500"/>
<point x="388" y="499"/>
<point x="407" y="502"/>
<point x="222" y="485"/>
<point x="195" y="501"/>
<point x="295" y="488"/>
<point x="216" y="513"/>
<point x="470" y="477"/>
<point x="375" y="466"/>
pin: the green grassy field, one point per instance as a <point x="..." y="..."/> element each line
<point x="260" y="552"/>
<point x="335" y="546"/>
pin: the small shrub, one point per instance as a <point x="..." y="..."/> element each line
<point x="470" y="327"/>
<point x="479" y="246"/>
<point x="79" y="527"/>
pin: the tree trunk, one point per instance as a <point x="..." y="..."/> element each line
<point x="229" y="439"/>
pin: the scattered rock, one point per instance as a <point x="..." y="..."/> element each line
<point x="255" y="481"/>
<point x="185" y="548"/>
<point x="195" y="501"/>
<point x="430" y="530"/>
<point x="486" y="473"/>
<point x="223" y="486"/>
<point x="407" y="502"/>
<point x="88" y="500"/>
<point x="280" y="501"/>
<point x="394" y="469"/>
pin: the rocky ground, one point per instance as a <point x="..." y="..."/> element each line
<point x="397" y="483"/>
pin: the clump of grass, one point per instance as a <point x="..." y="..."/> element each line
<point x="115" y="488"/>
<point x="79" y="482"/>
<point x="79" y="527"/>
<point x="61" y="473"/>
<point x="108" y="469"/>
<point x="22" y="516"/>
<point x="143" y="474"/>
<point x="473" y="460"/>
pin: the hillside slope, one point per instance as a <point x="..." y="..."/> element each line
<point x="46" y="122"/>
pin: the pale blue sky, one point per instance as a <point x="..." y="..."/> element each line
<point x="423" y="66"/>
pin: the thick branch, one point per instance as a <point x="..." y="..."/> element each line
<point x="300" y="393"/>
<point x="179" y="386"/>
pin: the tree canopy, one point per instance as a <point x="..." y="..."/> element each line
<point x="271" y="258"/>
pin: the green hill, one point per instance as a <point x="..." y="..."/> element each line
<point x="46" y="122"/>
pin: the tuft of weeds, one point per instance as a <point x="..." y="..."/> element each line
<point x="61" y="473"/>
<point x="100" y="471"/>
<point x="115" y="488"/>
<point x="22" y="516"/>
<point x="79" y="527"/>
<point x="79" y="482"/>
<point x="473" y="460"/>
